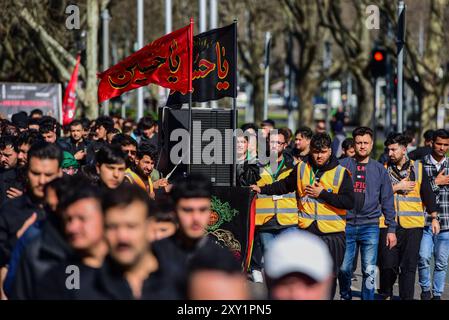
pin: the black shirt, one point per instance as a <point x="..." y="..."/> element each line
<point x="173" y="256"/>
<point x="10" y="178"/>
<point x="359" y="186"/>
<point x="13" y="214"/>
<point x="109" y="283"/>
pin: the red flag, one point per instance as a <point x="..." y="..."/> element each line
<point x="69" y="103"/>
<point x="166" y="61"/>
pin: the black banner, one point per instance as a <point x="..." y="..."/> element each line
<point x="214" y="74"/>
<point x="15" y="97"/>
<point x="230" y="221"/>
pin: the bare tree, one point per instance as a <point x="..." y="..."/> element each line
<point x="304" y="22"/>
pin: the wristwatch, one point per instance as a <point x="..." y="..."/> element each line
<point x="437" y="218"/>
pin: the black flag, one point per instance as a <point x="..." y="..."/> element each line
<point x="214" y="67"/>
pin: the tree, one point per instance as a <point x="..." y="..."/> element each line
<point x="56" y="48"/>
<point x="304" y="22"/>
<point x="256" y="17"/>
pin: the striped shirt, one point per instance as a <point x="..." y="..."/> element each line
<point x="441" y="191"/>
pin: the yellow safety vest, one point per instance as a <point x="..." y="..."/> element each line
<point x="409" y="207"/>
<point x="134" y="178"/>
<point x="284" y="207"/>
<point x="329" y="218"/>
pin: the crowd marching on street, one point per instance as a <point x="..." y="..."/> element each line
<point x="88" y="197"/>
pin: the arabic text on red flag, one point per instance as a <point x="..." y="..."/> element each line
<point x="166" y="62"/>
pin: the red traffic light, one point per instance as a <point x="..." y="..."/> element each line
<point x="378" y="56"/>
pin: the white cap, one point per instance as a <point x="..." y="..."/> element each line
<point x="298" y="251"/>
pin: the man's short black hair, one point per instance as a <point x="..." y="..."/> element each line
<point x="85" y="123"/>
<point x="268" y="122"/>
<point x="146" y="123"/>
<point x="33" y="121"/>
<point x="123" y="140"/>
<point x="80" y="188"/>
<point x="320" y="141"/>
<point x="283" y="132"/>
<point x="110" y="154"/>
<point x="440" y="133"/>
<point x="147" y="149"/>
<point x="8" y="141"/>
<point x="247" y="126"/>
<point x="29" y="137"/>
<point x="45" y="150"/>
<point x="123" y="196"/>
<point x="163" y="210"/>
<point x="361" y="131"/>
<point x="105" y="122"/>
<point x="213" y="258"/>
<point x="347" y="143"/>
<point x="306" y="132"/>
<point x="192" y="186"/>
<point x="113" y="130"/>
<point x="45" y="128"/>
<point x="36" y="111"/>
<point x="75" y="122"/>
<point x="398" y="138"/>
<point x="428" y="135"/>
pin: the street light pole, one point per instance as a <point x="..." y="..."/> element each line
<point x="400" y="46"/>
<point x="105" y="20"/>
<point x="267" y="74"/>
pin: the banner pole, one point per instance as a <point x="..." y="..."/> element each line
<point x="189" y="170"/>
<point x="190" y="134"/>
<point x="234" y="112"/>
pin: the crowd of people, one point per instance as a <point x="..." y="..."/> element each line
<point x="86" y="214"/>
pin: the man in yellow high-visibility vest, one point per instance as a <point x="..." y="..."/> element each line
<point x="324" y="192"/>
<point x="276" y="214"/>
<point x="141" y="175"/>
<point x="413" y="196"/>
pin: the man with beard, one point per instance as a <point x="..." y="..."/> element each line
<point x="413" y="197"/>
<point x="302" y="143"/>
<point x="129" y="147"/>
<point x="324" y="195"/>
<point x="11" y="186"/>
<point x="144" y="167"/>
<point x="373" y="196"/>
<point x="82" y="217"/>
<point x="78" y="147"/>
<point x="24" y="143"/>
<point x="44" y="165"/>
<point x="130" y="271"/>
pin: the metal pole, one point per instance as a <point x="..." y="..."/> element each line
<point x="213" y="25"/>
<point x="388" y="94"/>
<point x="105" y="19"/>
<point x="400" y="47"/>
<point x="267" y="74"/>
<point x="168" y="29"/>
<point x="373" y="120"/>
<point x="203" y="21"/>
<point x="234" y="114"/>
<point x="289" y="94"/>
<point x="139" y="45"/>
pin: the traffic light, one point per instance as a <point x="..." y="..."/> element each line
<point x="378" y="63"/>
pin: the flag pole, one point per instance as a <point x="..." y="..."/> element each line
<point x="234" y="112"/>
<point x="189" y="170"/>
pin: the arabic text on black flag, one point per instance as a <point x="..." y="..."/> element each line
<point x="214" y="67"/>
